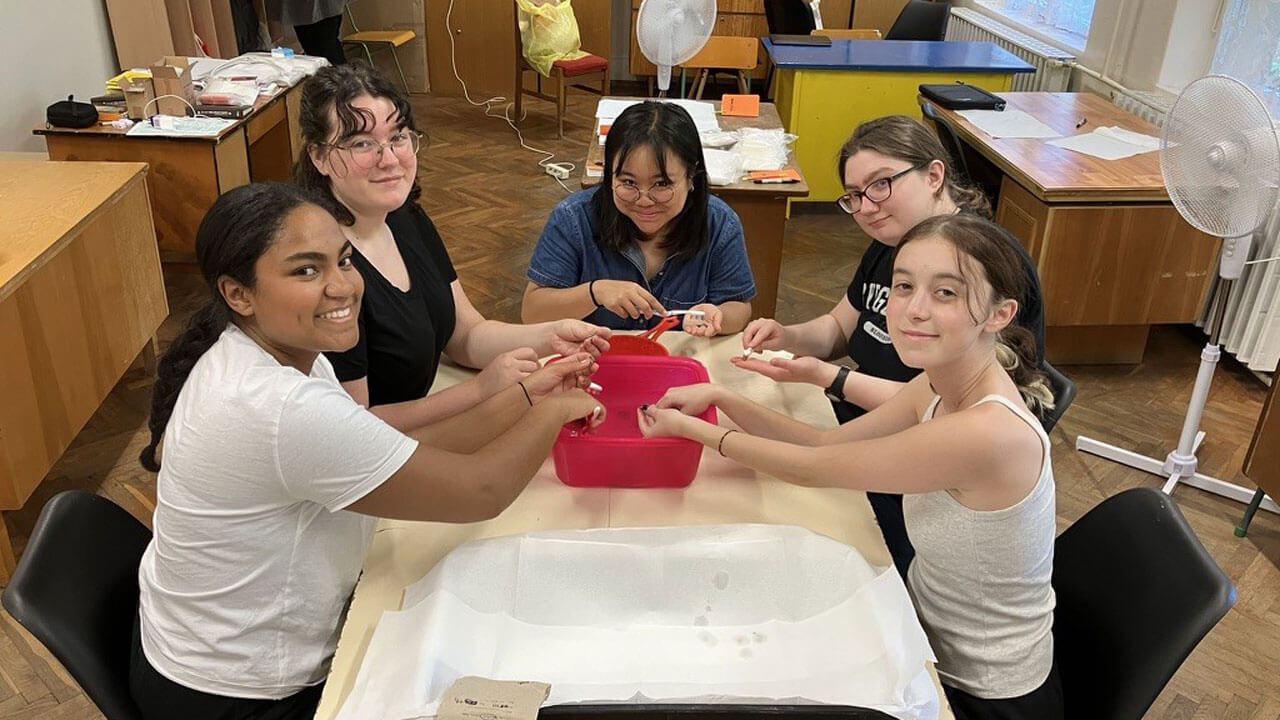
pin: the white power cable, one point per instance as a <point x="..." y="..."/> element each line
<point x="489" y="104"/>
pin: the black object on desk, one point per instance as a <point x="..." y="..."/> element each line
<point x="814" y="40"/>
<point x="959" y="96"/>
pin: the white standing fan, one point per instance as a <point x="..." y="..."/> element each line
<point x="671" y="32"/>
<point x="1220" y="158"/>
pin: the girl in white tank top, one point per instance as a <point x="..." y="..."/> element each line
<point x="960" y="442"/>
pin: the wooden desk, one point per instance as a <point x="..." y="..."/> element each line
<point x="823" y="93"/>
<point x="1114" y="255"/>
<point x="81" y="295"/>
<point x="761" y="208"/>
<point x="188" y="174"/>
<point x="1262" y="463"/>
<point x="722" y="492"/>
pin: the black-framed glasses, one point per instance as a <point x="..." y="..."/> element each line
<point x="366" y="152"/>
<point x="877" y="191"/>
<point x="660" y="192"/>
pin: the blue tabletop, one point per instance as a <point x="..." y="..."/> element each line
<point x="898" y="56"/>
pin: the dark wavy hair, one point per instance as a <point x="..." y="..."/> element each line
<point x="901" y="137"/>
<point x="662" y="127"/>
<point x="236" y="231"/>
<point x="993" y="253"/>
<point x="328" y="95"/>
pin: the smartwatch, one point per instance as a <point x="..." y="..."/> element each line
<point x="835" y="390"/>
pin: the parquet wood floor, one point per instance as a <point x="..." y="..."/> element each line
<point x="490" y="200"/>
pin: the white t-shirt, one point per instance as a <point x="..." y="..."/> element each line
<point x="245" y="583"/>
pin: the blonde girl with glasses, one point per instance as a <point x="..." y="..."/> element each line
<point x="649" y="239"/>
<point x="896" y="174"/>
<point x="362" y="161"/>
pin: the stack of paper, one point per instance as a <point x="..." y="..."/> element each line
<point x="702" y="112"/>
<point x="1008" y="124"/>
<point x="1110" y="143"/>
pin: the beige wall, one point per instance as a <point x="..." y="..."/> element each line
<point x="51" y="49"/>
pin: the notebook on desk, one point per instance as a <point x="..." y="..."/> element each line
<point x="815" y="40"/>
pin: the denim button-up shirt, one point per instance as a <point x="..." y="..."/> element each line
<point x="568" y="255"/>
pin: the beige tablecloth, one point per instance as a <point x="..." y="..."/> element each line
<point x="722" y="492"/>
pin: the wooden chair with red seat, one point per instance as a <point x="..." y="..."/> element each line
<point x="563" y="71"/>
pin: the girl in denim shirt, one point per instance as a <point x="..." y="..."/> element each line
<point x="649" y="239"/>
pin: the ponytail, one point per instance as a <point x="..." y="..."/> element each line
<point x="202" y="331"/>
<point x="1016" y="352"/>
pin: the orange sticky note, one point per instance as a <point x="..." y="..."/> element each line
<point x="740" y="105"/>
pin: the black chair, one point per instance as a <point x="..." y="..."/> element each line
<point x="788" y="17"/>
<point x="1064" y="392"/>
<point x="76" y="591"/>
<point x="947" y="135"/>
<point x="920" y="20"/>
<point x="1136" y="593"/>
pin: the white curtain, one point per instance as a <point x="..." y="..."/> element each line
<point x="1249" y="49"/>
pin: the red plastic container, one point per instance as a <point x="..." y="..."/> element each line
<point x="616" y="454"/>
<point x="645" y="343"/>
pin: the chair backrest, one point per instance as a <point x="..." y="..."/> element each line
<point x="1064" y="393"/>
<point x="1136" y="593"/>
<point x="788" y="17"/>
<point x="76" y="591"/>
<point x="947" y="135"/>
<point x="729" y="52"/>
<point x="921" y="20"/>
<point x="849" y="34"/>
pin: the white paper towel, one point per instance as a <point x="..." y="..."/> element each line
<point x="730" y="613"/>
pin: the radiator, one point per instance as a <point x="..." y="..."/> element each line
<point x="1053" y="65"/>
<point x="1149" y="106"/>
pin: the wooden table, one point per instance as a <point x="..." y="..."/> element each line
<point x="1114" y="255"/>
<point x="823" y="93"/>
<point x="188" y="174"/>
<point x="761" y="208"/>
<point x="81" y="295"/>
<point x="722" y="492"/>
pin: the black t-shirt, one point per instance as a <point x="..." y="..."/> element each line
<point x="870" y="347"/>
<point x="402" y="333"/>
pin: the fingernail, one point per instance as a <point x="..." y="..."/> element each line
<point x="596" y="413"/>
<point x="643" y="408"/>
<point x="595" y="388"/>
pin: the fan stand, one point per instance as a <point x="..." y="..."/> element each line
<point x="1179" y="466"/>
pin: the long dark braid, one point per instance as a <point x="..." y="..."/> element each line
<point x="236" y="231"/>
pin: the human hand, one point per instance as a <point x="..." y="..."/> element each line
<point x="658" y="422"/>
<point x="506" y="370"/>
<point x="565" y="374"/>
<point x="691" y="399"/>
<point x="706" y="326"/>
<point x="802" y="369"/>
<point x="567" y="337"/>
<point x="627" y="299"/>
<point x="764" y="334"/>
<point x="577" y="405"/>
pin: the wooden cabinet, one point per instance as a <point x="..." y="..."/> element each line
<point x="81" y="295"/>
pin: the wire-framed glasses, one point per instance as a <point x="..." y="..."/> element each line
<point x="366" y="152"/>
<point x="877" y="191"/>
<point x="660" y="192"/>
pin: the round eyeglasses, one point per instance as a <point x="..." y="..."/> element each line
<point x="877" y="191"/>
<point x="660" y="192"/>
<point x="366" y="152"/>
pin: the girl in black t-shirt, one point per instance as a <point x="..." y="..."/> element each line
<point x="362" y="161"/>
<point x="896" y="174"/>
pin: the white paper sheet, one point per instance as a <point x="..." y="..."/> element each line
<point x="702" y="112"/>
<point x="1110" y="143"/>
<point x="1008" y="124"/>
<point x="729" y="613"/>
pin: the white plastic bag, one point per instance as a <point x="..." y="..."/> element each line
<point x="763" y="149"/>
<point x="723" y="167"/>
<point x="730" y="613"/>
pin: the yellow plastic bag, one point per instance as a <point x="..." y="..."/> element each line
<point x="548" y="32"/>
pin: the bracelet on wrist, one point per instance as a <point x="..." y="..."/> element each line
<point x="591" y="290"/>
<point x="526" y="393"/>
<point x="720" y="445"/>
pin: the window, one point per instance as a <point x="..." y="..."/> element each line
<point x="1249" y="47"/>
<point x="1067" y="21"/>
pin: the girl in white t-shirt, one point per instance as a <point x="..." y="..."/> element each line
<point x="273" y="476"/>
